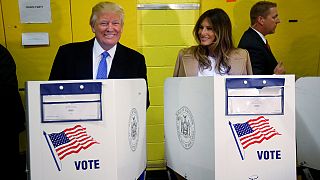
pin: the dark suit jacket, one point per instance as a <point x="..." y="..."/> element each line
<point x="12" y="110"/>
<point x="262" y="60"/>
<point x="12" y="115"/>
<point x="74" y="62"/>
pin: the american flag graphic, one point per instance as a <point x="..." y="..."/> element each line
<point x="254" y="131"/>
<point x="71" y="140"/>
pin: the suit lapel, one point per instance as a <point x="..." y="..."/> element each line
<point x="83" y="62"/>
<point x="272" y="62"/>
<point x="191" y="65"/>
<point x="261" y="43"/>
<point x="117" y="63"/>
<point x="89" y="56"/>
<point x="256" y="36"/>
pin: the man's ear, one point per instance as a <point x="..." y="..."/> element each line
<point x="260" y="20"/>
<point x="92" y="28"/>
<point x="122" y="27"/>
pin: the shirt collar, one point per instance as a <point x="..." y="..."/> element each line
<point x="261" y="35"/>
<point x="98" y="50"/>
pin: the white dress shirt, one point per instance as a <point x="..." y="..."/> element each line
<point x="211" y="72"/>
<point x="97" y="51"/>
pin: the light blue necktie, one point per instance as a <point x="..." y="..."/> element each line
<point x="103" y="66"/>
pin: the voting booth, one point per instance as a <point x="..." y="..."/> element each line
<point x="86" y="129"/>
<point x="308" y="123"/>
<point x="231" y="127"/>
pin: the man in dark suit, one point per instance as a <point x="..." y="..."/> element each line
<point x="77" y="61"/>
<point x="12" y="117"/>
<point x="264" y="19"/>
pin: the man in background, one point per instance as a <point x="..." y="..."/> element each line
<point x="264" y="19"/>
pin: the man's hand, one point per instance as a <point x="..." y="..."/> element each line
<point x="279" y="69"/>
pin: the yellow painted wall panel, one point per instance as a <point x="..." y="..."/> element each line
<point x="152" y="35"/>
<point x="155" y="151"/>
<point x="181" y="35"/>
<point x="169" y="17"/>
<point x="81" y="11"/>
<point x="182" y="17"/>
<point x="156" y="96"/>
<point x="155" y="133"/>
<point x="156" y="165"/>
<point x="167" y="35"/>
<point x="155" y="115"/>
<point x="139" y="38"/>
<point x="297" y="44"/>
<point x="34" y="62"/>
<point x="139" y="35"/>
<point x="161" y="55"/>
<point x="153" y="16"/>
<point x="158" y="75"/>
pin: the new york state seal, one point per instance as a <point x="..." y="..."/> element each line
<point x="133" y="129"/>
<point x="185" y="127"/>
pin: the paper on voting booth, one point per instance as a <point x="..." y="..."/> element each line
<point x="250" y="98"/>
<point x="74" y="101"/>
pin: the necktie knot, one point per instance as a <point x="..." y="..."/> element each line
<point x="103" y="66"/>
<point x="105" y="54"/>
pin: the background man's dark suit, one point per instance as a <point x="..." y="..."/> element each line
<point x="12" y="117"/>
<point x="262" y="60"/>
<point x="74" y="62"/>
